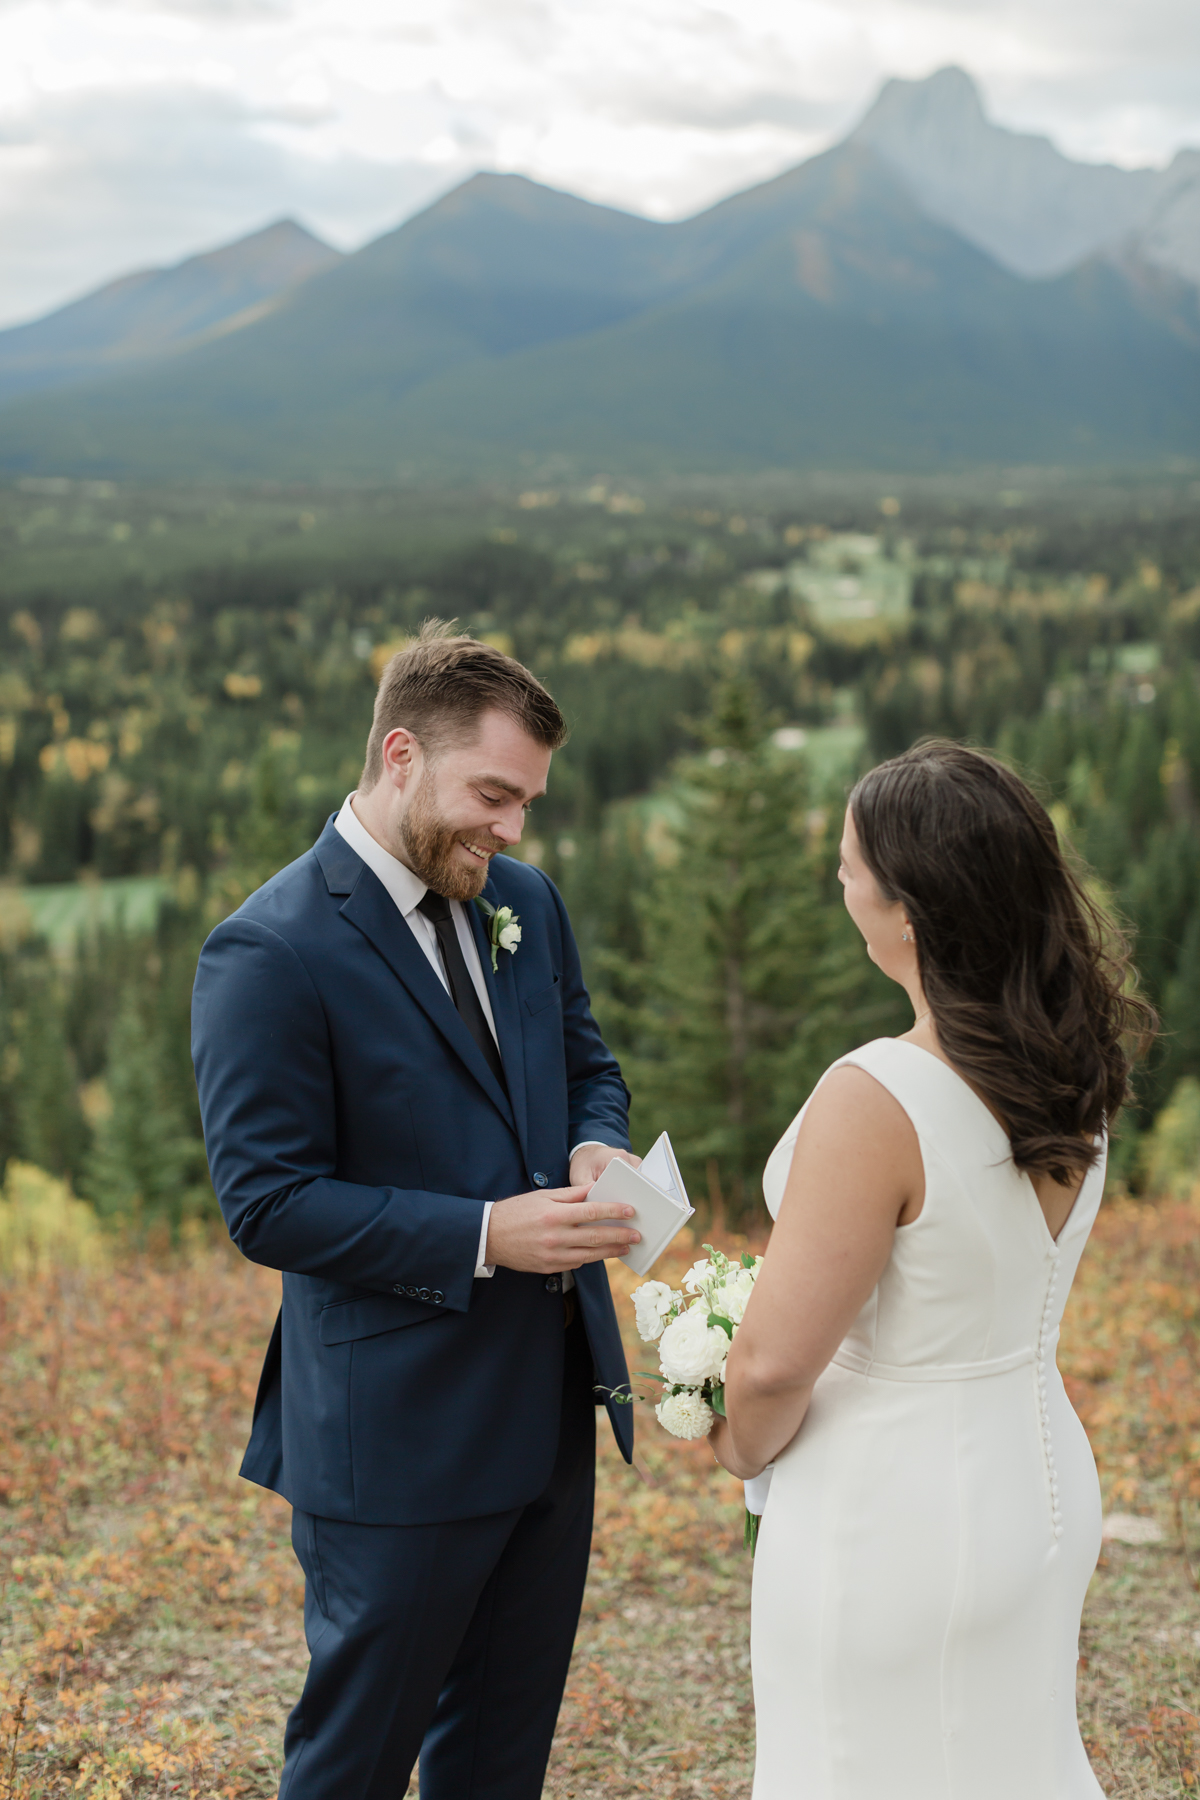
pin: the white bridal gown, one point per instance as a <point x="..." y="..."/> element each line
<point x="931" y="1530"/>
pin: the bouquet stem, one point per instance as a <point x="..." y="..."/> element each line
<point x="750" y="1532"/>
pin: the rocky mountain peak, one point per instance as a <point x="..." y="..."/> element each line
<point x="1011" y="193"/>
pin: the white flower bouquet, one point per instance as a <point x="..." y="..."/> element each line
<point x="693" y="1327"/>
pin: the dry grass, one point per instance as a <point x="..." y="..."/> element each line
<point x="151" y="1627"/>
<point x="1131" y="1358"/>
<point x="1139" y="1682"/>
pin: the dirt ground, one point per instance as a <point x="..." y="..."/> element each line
<point x="150" y="1622"/>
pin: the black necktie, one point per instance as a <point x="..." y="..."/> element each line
<point x="462" y="989"/>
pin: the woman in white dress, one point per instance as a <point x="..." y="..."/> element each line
<point x="933" y="1517"/>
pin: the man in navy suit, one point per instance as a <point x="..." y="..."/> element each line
<point x="406" y="1100"/>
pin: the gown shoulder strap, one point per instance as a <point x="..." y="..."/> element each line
<point x="944" y="1109"/>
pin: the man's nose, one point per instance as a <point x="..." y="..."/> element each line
<point x="509" y="826"/>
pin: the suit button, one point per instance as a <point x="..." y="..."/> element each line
<point x="422" y="1293"/>
<point x="540" y="1180"/>
<point x="398" y="1288"/>
<point x="411" y="1292"/>
<point x="554" y="1284"/>
<point x="437" y="1296"/>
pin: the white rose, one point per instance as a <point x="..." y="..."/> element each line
<point x="691" y="1350"/>
<point x="651" y="1304"/>
<point x="731" y="1297"/>
<point x="684" y="1415"/>
<point x="510" y="937"/>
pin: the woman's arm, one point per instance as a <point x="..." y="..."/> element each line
<point x="856" y="1174"/>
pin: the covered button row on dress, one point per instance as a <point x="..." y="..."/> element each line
<point x="1043" y="1412"/>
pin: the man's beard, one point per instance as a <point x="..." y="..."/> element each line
<point x="429" y="848"/>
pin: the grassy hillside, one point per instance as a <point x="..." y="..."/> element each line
<point x="153" y="1629"/>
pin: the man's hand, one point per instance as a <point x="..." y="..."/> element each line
<point x="590" y="1161"/>
<point x="556" y="1229"/>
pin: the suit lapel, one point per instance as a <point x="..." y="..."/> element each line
<point x="371" y="909"/>
<point x="506" y="1008"/>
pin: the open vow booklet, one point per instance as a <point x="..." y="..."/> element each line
<point x="658" y="1198"/>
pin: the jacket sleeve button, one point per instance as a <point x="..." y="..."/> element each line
<point x="553" y="1284"/>
<point x="398" y="1288"/>
<point x="437" y="1296"/>
<point x="540" y="1180"/>
<point x="422" y="1293"/>
<point x="411" y="1292"/>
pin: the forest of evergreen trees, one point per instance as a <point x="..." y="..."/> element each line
<point x="185" y="694"/>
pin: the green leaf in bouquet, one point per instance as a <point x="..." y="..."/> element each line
<point x="717" y="1400"/>
<point x="719" y="1323"/>
<point x="616" y="1395"/>
<point x="747" y="1260"/>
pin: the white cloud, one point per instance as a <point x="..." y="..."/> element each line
<point x="94" y="187"/>
<point x="134" y="131"/>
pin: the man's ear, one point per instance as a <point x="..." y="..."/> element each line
<point x="401" y="756"/>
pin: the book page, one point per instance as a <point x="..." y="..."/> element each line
<point x="657" y="1167"/>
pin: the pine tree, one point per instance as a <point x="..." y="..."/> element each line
<point x="749" y="979"/>
<point x="276" y="827"/>
<point x="145" y="1165"/>
<point x="50" y="1128"/>
<point x="1170" y="1153"/>
<point x="1179" y="1045"/>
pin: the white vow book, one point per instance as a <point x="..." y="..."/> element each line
<point x="658" y="1197"/>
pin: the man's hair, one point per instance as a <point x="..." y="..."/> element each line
<point x="440" y="685"/>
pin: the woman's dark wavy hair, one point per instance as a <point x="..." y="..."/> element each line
<point x="1025" y="975"/>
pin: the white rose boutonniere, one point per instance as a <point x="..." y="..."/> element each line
<point x="504" y="932"/>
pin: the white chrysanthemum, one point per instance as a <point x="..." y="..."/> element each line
<point x="730" y="1298"/>
<point x="691" y="1350"/>
<point x="651" y="1304"/>
<point x="684" y="1415"/>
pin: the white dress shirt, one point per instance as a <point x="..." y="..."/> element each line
<point x="408" y="890"/>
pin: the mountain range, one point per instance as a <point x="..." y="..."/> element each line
<point x="157" y="311"/>
<point x="935" y="290"/>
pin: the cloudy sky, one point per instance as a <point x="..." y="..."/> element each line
<point x="133" y="132"/>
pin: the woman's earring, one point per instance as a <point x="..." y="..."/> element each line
<point x="904" y="937"/>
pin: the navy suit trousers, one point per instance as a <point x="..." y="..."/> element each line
<point x="447" y="1641"/>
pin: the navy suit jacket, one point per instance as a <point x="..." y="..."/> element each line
<point x="354" y="1131"/>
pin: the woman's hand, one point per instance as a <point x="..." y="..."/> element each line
<point x="722" y="1448"/>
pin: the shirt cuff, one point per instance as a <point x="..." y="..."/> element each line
<point x="589" y="1144"/>
<point x="484" y="1270"/>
